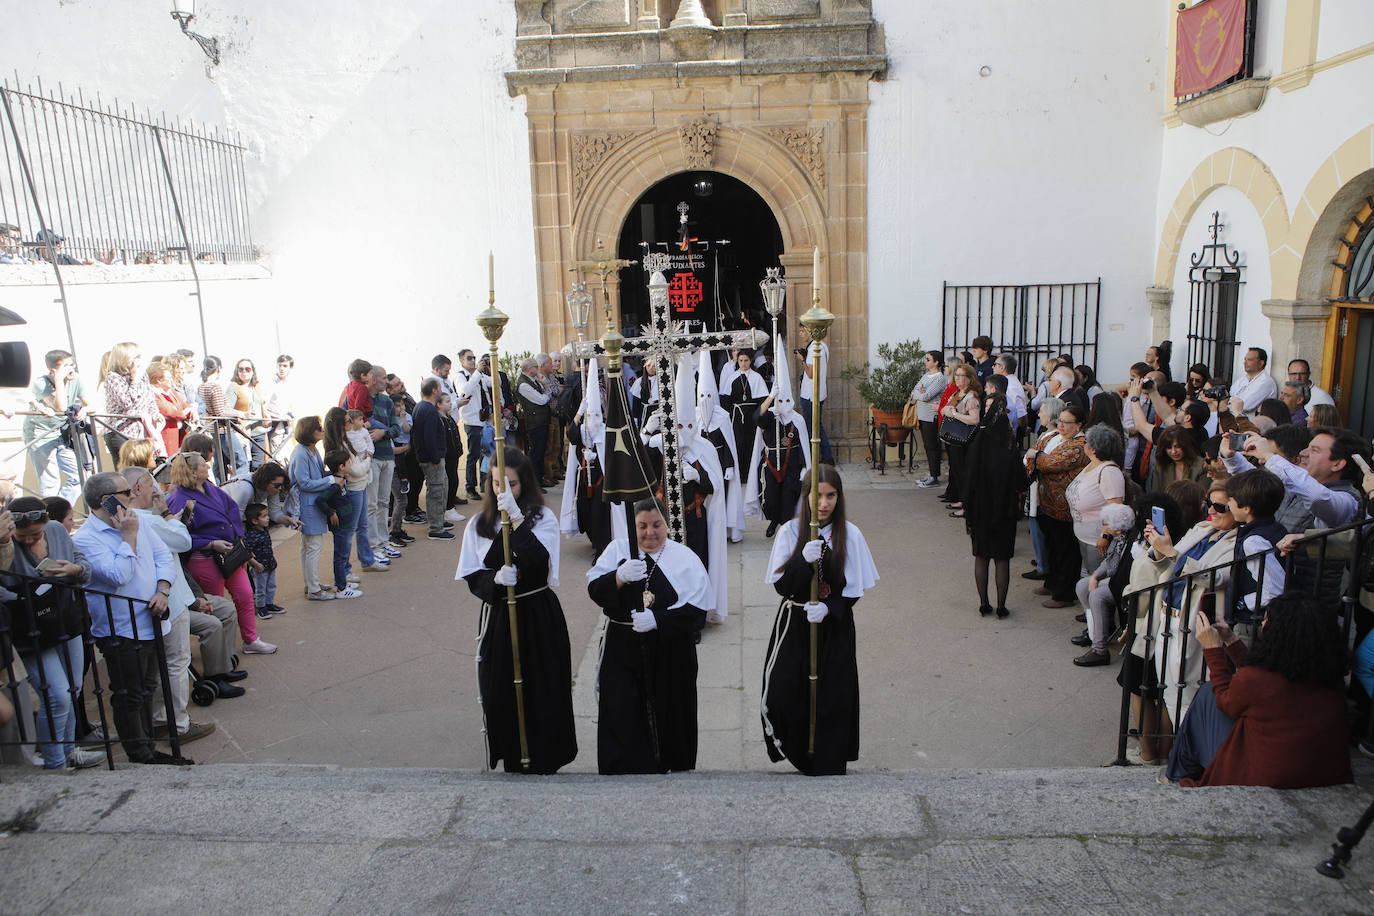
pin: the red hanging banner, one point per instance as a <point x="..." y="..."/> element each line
<point x="1209" y="45"/>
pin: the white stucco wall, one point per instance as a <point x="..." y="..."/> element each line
<point x="1041" y="172"/>
<point x="387" y="156"/>
<point x="1244" y="233"/>
<point x="1345" y="24"/>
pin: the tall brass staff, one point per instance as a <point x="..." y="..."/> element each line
<point x="817" y="322"/>
<point x="492" y="321"/>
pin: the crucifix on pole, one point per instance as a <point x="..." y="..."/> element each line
<point x="663" y="342"/>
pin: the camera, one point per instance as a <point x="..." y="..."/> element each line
<point x="1147" y="385"/>
<point x="1218" y="393"/>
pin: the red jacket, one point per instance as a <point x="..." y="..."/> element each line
<point x="944" y="399"/>
<point x="356" y="396"/>
<point x="1286" y="736"/>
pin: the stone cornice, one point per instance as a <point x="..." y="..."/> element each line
<point x="518" y="81"/>
<point x="1222" y="104"/>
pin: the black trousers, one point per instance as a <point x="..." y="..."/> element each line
<point x="930" y="436"/>
<point x="134" y="679"/>
<point x="954" y="489"/>
<point x="473" y="450"/>
<point x="1066" y="560"/>
<point x="537" y="440"/>
<point x="451" y="472"/>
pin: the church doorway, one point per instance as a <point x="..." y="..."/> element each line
<point x="1354" y="323"/>
<point x="722" y="237"/>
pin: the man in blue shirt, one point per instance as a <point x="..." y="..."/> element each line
<point x="137" y="566"/>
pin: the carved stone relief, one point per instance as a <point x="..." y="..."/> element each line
<point x="808" y="145"/>
<point x="699" y="142"/>
<point x="589" y="151"/>
<point x="598" y="14"/>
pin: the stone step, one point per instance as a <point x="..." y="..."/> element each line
<point x="325" y="839"/>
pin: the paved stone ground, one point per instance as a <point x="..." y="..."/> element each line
<point x="302" y="840"/>
<point x="389" y="679"/>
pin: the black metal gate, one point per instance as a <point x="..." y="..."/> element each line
<point x="1031" y="322"/>
<point x="1214" y="283"/>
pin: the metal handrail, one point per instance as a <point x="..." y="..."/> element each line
<point x="1318" y="538"/>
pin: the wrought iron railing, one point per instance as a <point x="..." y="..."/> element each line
<point x="1031" y="322"/>
<point x="1327" y="564"/>
<point x="116" y="186"/>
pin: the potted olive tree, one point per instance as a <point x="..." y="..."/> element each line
<point x="886" y="387"/>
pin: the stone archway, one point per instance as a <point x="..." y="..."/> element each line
<point x="1242" y="170"/>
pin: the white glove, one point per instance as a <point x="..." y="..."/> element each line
<point x="652" y="424"/>
<point x="729" y="473"/>
<point x="505" y="501"/>
<point x="643" y="621"/>
<point x="801" y="475"/>
<point x="632" y="571"/>
<point x="811" y="550"/>
<point x="504" y="576"/>
<point x="655" y="443"/>
<point x="690" y="473"/>
<point x="816" y="611"/>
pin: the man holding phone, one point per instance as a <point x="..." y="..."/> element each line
<point x="1327" y="481"/>
<point x="125" y="561"/>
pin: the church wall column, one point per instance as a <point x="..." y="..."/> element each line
<point x="1161" y="312"/>
<point x="735" y="14"/>
<point x="1297" y="330"/>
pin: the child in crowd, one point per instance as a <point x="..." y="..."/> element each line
<point x="1094" y="591"/>
<point x="358" y="440"/>
<point x="262" y="565"/>
<point x="335" y="504"/>
<point x="59" y="510"/>
<point x="400" y="481"/>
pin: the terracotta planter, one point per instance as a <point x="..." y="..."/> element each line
<point x="896" y="432"/>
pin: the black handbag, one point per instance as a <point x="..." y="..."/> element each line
<point x="956" y="432"/>
<point x="233" y="558"/>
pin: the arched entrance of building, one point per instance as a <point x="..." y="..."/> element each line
<point x="1352" y="296"/>
<point x="730" y="238"/>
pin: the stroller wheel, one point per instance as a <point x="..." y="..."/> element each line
<point x="204" y="692"/>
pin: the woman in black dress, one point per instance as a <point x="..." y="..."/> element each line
<point x="847" y="571"/>
<point x="994" y="480"/>
<point x="654" y="602"/>
<point x="545" y="653"/>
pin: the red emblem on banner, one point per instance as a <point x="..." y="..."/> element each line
<point x="684" y="292"/>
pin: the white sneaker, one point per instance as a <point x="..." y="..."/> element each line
<point x="258" y="647"/>
<point x="321" y="595"/>
<point x="453" y="515"/>
<point x="352" y="582"/>
<point x="379" y="566"/>
<point x="80" y="758"/>
<point x="349" y="592"/>
<point x="391" y="552"/>
<point x="926" y="482"/>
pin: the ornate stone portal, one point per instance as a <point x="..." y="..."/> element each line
<point x="621" y="94"/>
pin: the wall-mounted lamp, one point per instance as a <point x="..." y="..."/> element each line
<point x="183" y="17"/>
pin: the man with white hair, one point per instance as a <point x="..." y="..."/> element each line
<point x="1064" y="385"/>
<point x="1016" y="392"/>
<point x="533" y="396"/>
<point x="215" y="627"/>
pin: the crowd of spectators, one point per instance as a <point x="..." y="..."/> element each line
<point x="206" y="468"/>
<point x="1129" y="489"/>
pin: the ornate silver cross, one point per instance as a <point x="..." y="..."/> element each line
<point x="663" y="342"/>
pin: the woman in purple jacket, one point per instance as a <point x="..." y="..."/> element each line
<point x="215" y="525"/>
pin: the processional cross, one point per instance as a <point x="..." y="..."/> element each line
<point x="664" y="342"/>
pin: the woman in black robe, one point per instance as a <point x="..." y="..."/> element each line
<point x="654" y="602"/>
<point x="545" y="653"/>
<point x="994" y="481"/>
<point x="847" y="571"/>
<point x="747" y="391"/>
<point x="593" y="515"/>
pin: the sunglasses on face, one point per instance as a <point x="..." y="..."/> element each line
<point x="31" y="517"/>
<point x="1221" y="507"/>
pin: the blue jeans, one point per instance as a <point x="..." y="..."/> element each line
<point x="52" y="674"/>
<point x="1042" y="556"/>
<point x="363" y="531"/>
<point x="264" y="587"/>
<point x="54" y="464"/>
<point x="804" y="408"/>
<point x="344" y="537"/>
